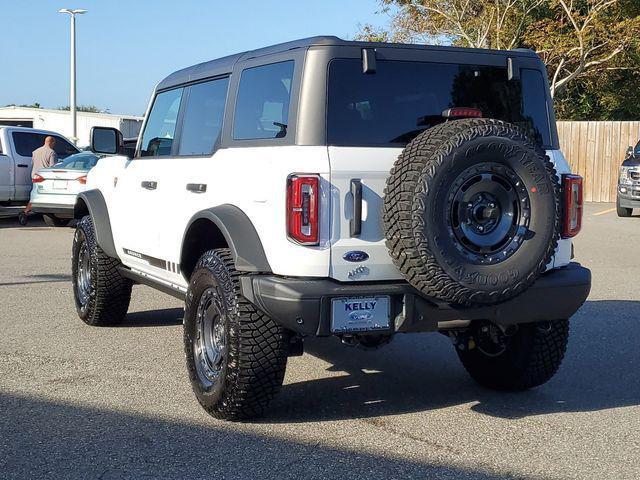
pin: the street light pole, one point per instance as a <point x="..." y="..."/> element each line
<point x="72" y="88"/>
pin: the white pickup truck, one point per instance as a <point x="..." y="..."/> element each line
<point x="16" y="146"/>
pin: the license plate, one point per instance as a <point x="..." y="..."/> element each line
<point x="60" y="184"/>
<point x="359" y="314"/>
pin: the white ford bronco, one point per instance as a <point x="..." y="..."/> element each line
<point x="327" y="187"/>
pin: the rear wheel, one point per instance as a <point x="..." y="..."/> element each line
<point x="514" y="359"/>
<point x="54" y="221"/>
<point x="623" y="211"/>
<point x="236" y="355"/>
<point x="101" y="293"/>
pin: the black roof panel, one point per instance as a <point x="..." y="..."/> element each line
<point x="225" y="65"/>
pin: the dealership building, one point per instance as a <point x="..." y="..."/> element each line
<point x="60" y="121"/>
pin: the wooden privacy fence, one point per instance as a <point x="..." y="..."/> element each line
<point x="596" y="150"/>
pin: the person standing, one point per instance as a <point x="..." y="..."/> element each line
<point x="42" y="157"/>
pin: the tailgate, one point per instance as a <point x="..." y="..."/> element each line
<point x="371" y="167"/>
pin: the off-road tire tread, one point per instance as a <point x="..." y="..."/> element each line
<point x="111" y="291"/>
<point x="402" y="215"/>
<point x="527" y="363"/>
<point x="257" y="349"/>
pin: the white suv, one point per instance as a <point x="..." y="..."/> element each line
<point x="326" y="187"/>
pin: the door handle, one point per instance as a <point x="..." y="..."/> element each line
<point x="149" y="185"/>
<point x="197" y="187"/>
<point x="355" y="224"/>
<point x="23" y="165"/>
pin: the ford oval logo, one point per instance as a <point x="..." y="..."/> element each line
<point x="355" y="256"/>
<point x="360" y="316"/>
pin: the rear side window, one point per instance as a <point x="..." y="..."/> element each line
<point x="203" y="117"/>
<point x="392" y="106"/>
<point x="157" y="139"/>
<point x="26" y="142"/>
<point x="262" y="106"/>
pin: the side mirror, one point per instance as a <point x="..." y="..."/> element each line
<point x="106" y="140"/>
<point x="630" y="152"/>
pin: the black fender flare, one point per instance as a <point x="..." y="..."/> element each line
<point x="96" y="207"/>
<point x="240" y="234"/>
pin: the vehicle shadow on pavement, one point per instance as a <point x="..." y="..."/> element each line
<point x="153" y="318"/>
<point x="47" y="439"/>
<point x="12" y="221"/>
<point x="421" y="372"/>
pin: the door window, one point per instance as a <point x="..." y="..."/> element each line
<point x="262" y="106"/>
<point x="159" y="132"/>
<point x="203" y="115"/>
<point x="26" y="142"/>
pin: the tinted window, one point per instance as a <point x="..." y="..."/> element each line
<point x="157" y="139"/>
<point x="402" y="99"/>
<point x="203" y="117"/>
<point x="26" y="142"/>
<point x="535" y="118"/>
<point x="262" y="106"/>
<point x="130" y="146"/>
<point x="79" y="161"/>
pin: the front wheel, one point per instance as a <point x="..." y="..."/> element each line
<point x="622" y="211"/>
<point x="514" y="359"/>
<point x="236" y="355"/>
<point x="100" y="291"/>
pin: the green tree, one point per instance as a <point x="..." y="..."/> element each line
<point x="590" y="47"/>
<point x="83" y="108"/>
<point x="31" y="105"/>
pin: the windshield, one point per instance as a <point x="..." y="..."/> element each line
<point x="400" y="100"/>
<point x="79" y="161"/>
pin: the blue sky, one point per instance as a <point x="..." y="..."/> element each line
<point x="126" y="47"/>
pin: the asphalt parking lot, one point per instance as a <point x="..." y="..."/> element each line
<point x="111" y="403"/>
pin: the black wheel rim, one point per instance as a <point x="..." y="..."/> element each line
<point x="210" y="343"/>
<point x="488" y="213"/>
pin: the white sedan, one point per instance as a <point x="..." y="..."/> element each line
<point x="55" y="188"/>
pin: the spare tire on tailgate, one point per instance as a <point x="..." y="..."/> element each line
<point x="471" y="212"/>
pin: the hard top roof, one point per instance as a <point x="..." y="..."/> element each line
<point x="225" y="65"/>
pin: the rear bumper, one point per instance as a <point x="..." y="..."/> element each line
<point x="60" y="210"/>
<point x="304" y="305"/>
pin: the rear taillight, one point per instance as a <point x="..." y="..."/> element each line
<point x="37" y="178"/>
<point x="572" y="199"/>
<point x="82" y="180"/>
<point x="302" y="208"/>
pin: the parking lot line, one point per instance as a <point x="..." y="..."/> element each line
<point x="609" y="210"/>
